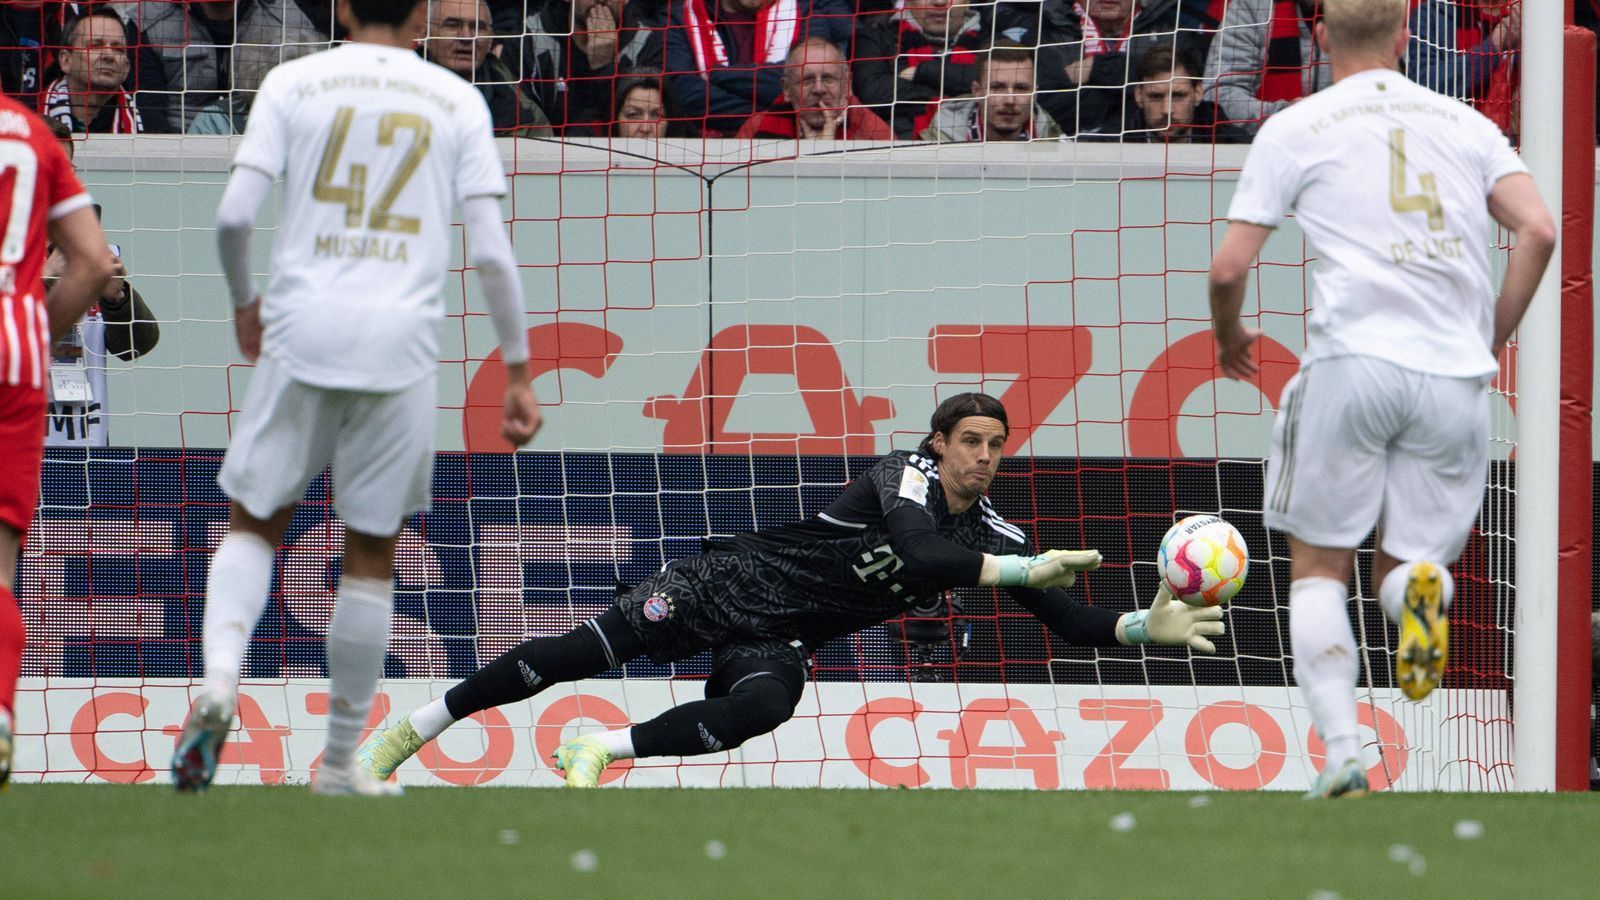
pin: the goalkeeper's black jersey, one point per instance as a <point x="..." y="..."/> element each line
<point x="839" y="571"/>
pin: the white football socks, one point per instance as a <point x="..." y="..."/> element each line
<point x="1392" y="593"/>
<point x="357" y="638"/>
<point x="430" y="721"/>
<point x="619" y="742"/>
<point x="1325" y="663"/>
<point x="236" y="593"/>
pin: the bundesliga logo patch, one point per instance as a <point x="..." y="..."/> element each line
<point x="657" y="608"/>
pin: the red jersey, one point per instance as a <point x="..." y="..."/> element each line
<point x="37" y="186"/>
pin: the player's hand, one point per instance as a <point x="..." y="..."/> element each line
<point x="1168" y="621"/>
<point x="522" y="417"/>
<point x="1233" y="351"/>
<point x="1052" y="568"/>
<point x="247" y="328"/>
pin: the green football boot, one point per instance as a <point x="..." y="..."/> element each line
<point x="387" y="749"/>
<point x="582" y="759"/>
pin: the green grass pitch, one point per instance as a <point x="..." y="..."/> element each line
<point x="102" y="841"/>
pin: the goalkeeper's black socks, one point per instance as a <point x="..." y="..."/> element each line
<point x="604" y="642"/>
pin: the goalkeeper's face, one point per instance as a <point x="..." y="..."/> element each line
<point x="969" y="456"/>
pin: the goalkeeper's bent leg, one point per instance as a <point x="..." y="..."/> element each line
<point x="604" y="642"/>
<point x="762" y="695"/>
<point x="1325" y="663"/>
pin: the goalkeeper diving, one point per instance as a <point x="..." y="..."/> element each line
<point x="914" y="525"/>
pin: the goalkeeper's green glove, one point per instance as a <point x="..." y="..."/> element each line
<point x="1052" y="568"/>
<point x="1169" y="622"/>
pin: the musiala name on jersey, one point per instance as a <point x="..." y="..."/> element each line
<point x="362" y="246"/>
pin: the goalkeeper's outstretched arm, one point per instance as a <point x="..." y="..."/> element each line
<point x="1166" y="621"/>
<point x="497" y="273"/>
<point x="929" y="557"/>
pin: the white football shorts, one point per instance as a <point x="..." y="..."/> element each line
<point x="1361" y="442"/>
<point x="379" y="444"/>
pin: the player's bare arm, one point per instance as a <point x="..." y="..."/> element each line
<point x="1515" y="203"/>
<point x="77" y="236"/>
<point x="1229" y="269"/>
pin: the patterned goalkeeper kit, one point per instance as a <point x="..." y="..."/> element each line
<point x="783" y="592"/>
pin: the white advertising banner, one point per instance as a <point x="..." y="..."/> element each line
<point x="843" y="735"/>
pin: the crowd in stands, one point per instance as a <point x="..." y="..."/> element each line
<point x="1201" y="71"/>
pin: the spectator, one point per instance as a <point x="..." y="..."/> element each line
<point x="90" y="97"/>
<point x="643" y="110"/>
<point x="1468" y="53"/>
<point x="1166" y="107"/>
<point x="461" y="39"/>
<point x="1086" y="52"/>
<point x="121" y="325"/>
<point x="1456" y="49"/>
<point x="574" y="51"/>
<point x="640" y="112"/>
<point x="212" y="48"/>
<point x="1001" y="107"/>
<point x="907" y="62"/>
<point x="1263" y="58"/>
<point x="28" y="33"/>
<point x="1258" y="65"/>
<point x="725" y="57"/>
<point x="818" y="102"/>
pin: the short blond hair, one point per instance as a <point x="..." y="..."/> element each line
<point x="1362" y="24"/>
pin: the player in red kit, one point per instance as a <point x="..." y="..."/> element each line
<point x="43" y="204"/>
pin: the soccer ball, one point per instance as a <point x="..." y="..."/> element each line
<point x="1203" y="560"/>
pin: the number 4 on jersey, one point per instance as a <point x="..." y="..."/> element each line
<point x="1402" y="202"/>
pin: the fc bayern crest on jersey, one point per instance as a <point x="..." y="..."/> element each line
<point x="657" y="608"/>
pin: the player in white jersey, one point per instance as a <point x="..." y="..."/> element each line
<point x="1386" y="425"/>
<point x="375" y="147"/>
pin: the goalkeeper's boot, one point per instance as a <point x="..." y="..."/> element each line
<point x="382" y="753"/>
<point x="582" y="759"/>
<point x="194" y="762"/>
<point x="352" y="781"/>
<point x="1424" y="632"/>
<point x="8" y="743"/>
<point x="1346" y="780"/>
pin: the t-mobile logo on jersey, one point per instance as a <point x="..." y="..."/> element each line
<point x="881" y="565"/>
